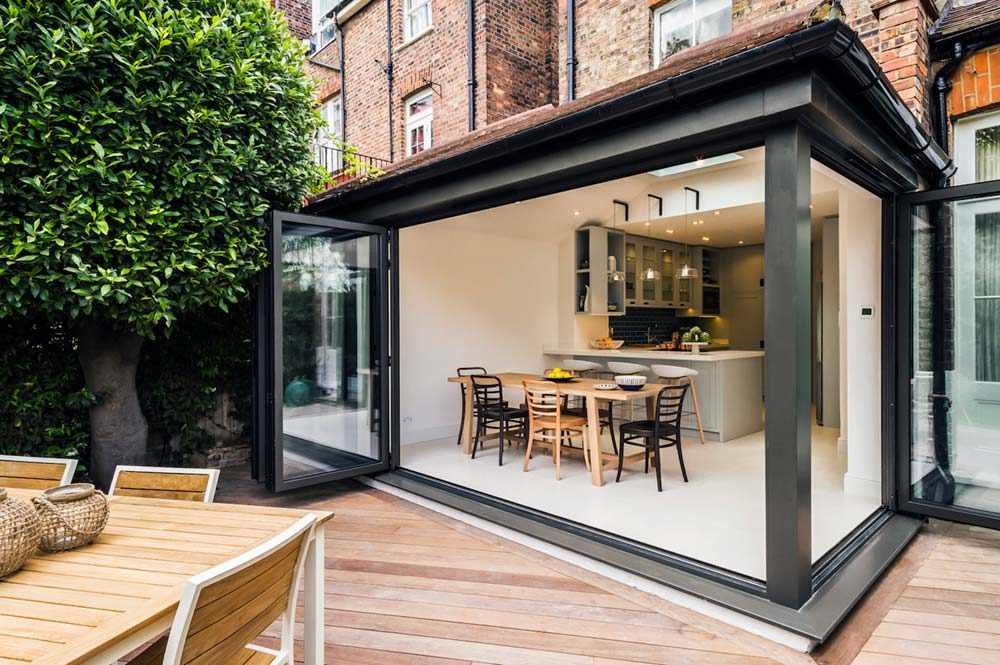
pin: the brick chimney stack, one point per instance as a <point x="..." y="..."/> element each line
<point x="902" y="48"/>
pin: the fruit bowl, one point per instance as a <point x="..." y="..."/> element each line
<point x="607" y="344"/>
<point x="630" y="381"/>
<point x="558" y="375"/>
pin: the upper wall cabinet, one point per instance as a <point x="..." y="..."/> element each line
<point x="600" y="263"/>
<point x="650" y="274"/>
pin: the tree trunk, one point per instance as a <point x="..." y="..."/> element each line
<point x="109" y="357"/>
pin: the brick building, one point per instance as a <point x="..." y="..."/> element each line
<point x="374" y="58"/>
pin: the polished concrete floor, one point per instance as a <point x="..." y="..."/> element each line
<point x="717" y="517"/>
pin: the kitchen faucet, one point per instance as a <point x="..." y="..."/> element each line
<point x="650" y="338"/>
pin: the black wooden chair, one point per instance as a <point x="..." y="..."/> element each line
<point x="492" y="412"/>
<point x="652" y="435"/>
<point x="467" y="371"/>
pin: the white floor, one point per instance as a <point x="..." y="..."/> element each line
<point x="717" y="517"/>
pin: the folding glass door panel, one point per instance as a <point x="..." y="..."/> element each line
<point x="326" y="391"/>
<point x="951" y="465"/>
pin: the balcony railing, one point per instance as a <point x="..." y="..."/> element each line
<point x="346" y="164"/>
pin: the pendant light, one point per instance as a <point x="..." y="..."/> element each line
<point x="650" y="274"/>
<point x="614" y="274"/>
<point x="687" y="271"/>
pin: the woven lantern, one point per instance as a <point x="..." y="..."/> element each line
<point x="19" y="533"/>
<point x="71" y="516"/>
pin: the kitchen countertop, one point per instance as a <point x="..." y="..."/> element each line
<point x="652" y="354"/>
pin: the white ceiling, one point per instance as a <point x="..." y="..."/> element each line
<point x="732" y="206"/>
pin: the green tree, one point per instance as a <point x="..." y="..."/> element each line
<point x="139" y="143"/>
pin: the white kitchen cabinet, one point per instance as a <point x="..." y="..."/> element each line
<point x="594" y="246"/>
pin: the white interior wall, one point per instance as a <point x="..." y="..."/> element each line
<point x="468" y="298"/>
<point x="831" y="322"/>
<point x="860" y="265"/>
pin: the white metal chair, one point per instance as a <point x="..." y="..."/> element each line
<point x="226" y="607"/>
<point x="156" y="482"/>
<point x="35" y="473"/>
<point x="680" y="376"/>
<point x="617" y="368"/>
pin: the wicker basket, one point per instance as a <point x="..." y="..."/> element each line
<point x="19" y="533"/>
<point x="71" y="516"/>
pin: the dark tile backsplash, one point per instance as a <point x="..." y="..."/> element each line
<point x="634" y="324"/>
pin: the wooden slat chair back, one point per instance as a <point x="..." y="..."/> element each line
<point x="154" y="482"/>
<point x="224" y="609"/>
<point x="547" y="425"/>
<point x="35" y="473"/>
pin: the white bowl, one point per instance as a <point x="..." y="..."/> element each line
<point x="630" y="381"/>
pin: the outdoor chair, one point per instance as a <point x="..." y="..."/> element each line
<point x="35" y="473"/>
<point x="226" y="607"/>
<point x="155" y="482"/>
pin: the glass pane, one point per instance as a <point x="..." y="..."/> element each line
<point x="955" y="446"/>
<point x="667" y="275"/>
<point x="421" y="105"/>
<point x="714" y="19"/>
<point x="987" y="154"/>
<point x="684" y="285"/>
<point x="648" y="264"/>
<point x="675" y="29"/>
<point x="631" y="269"/>
<point x="329" y="290"/>
<point x="417" y="139"/>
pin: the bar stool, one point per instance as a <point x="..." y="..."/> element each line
<point x="617" y="368"/>
<point x="679" y="376"/>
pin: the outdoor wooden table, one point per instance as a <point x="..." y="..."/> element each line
<point x="579" y="387"/>
<point x="95" y="604"/>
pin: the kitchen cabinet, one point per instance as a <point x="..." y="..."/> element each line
<point x="666" y="290"/>
<point x="597" y="249"/>
<point x="706" y="294"/>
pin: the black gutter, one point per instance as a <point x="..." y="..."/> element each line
<point x="830" y="44"/>
<point x="570" y="50"/>
<point x="470" y="46"/>
<point x="343" y="75"/>
<point x="390" y="78"/>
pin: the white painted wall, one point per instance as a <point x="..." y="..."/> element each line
<point x="860" y="249"/>
<point x="831" y="322"/>
<point x="469" y="298"/>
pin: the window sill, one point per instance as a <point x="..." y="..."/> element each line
<point x="415" y="38"/>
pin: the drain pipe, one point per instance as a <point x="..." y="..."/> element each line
<point x="343" y="77"/>
<point x="570" y="50"/>
<point x="470" y="45"/>
<point x="939" y="97"/>
<point x="390" y="77"/>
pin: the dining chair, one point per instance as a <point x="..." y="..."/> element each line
<point x="493" y="412"/>
<point x="548" y="425"/>
<point x="35" y="473"/>
<point x="664" y="431"/>
<point x="161" y="482"/>
<point x="675" y="375"/>
<point x="225" y="608"/>
<point x="467" y="371"/>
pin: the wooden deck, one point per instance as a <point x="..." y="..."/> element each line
<point x="408" y="586"/>
<point x="949" y="609"/>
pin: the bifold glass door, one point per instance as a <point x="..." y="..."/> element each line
<point x="322" y="352"/>
<point x="950" y="465"/>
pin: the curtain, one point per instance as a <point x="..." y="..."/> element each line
<point x="987" y="297"/>
<point x="987" y="154"/>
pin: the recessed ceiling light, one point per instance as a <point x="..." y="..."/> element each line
<point x="810" y="206"/>
<point x="670" y="230"/>
<point x="718" y="212"/>
<point x="705" y="238"/>
<point x="648" y="223"/>
<point x="699" y="161"/>
<point x="576" y="212"/>
<point x="741" y="242"/>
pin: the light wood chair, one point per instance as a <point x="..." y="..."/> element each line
<point x="156" y="482"/>
<point x="548" y="426"/>
<point x="35" y="473"/>
<point x="226" y="607"/>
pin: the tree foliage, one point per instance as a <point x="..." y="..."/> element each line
<point x="139" y="142"/>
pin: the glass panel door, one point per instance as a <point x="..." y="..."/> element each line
<point x="648" y="268"/>
<point x="952" y="467"/>
<point x="329" y="354"/>
<point x="631" y="271"/>
<point x="667" y="280"/>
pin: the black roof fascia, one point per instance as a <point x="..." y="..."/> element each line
<point x="831" y="47"/>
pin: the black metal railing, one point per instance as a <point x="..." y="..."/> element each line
<point x="346" y="162"/>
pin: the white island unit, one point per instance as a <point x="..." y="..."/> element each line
<point x="729" y="384"/>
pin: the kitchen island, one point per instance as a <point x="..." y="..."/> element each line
<point x="729" y="383"/>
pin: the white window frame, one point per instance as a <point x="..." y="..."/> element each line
<point x="410" y="9"/>
<point x="332" y="133"/>
<point x="423" y="119"/>
<point x="965" y="144"/>
<point x="319" y="24"/>
<point x="660" y="11"/>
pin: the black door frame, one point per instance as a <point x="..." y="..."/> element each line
<point x="904" y="358"/>
<point x="268" y="391"/>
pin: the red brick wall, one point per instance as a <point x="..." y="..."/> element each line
<point x="975" y="85"/>
<point x="903" y="46"/>
<point x="298" y="13"/>
<point x="517" y="38"/>
<point x="366" y="124"/>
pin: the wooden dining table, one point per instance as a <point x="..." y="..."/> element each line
<point x="95" y="604"/>
<point x="578" y="387"/>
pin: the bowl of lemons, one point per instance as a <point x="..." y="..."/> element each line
<point x="559" y="375"/>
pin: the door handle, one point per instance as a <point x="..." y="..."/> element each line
<point x="944" y="399"/>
